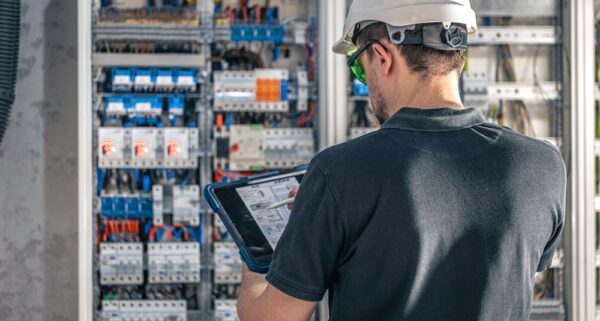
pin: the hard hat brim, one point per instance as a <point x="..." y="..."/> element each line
<point x="399" y="16"/>
<point x="344" y="47"/>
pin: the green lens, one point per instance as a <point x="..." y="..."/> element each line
<point x="358" y="71"/>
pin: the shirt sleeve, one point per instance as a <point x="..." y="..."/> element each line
<point x="306" y="256"/>
<point x="559" y="219"/>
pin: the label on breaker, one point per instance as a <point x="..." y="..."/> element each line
<point x="164" y="81"/>
<point x="121" y="80"/>
<point x="143" y="80"/>
<point x="115" y="107"/>
<point x="143" y="107"/>
<point x="185" y="81"/>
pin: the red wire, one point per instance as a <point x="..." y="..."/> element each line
<point x="258" y="15"/>
<point x="227" y="174"/>
<point x="231" y="14"/>
<point x="106" y="231"/>
<point x="245" y="10"/>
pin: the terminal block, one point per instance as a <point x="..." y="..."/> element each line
<point x="175" y="310"/>
<point x="261" y="90"/>
<point x="257" y="33"/>
<point x="147" y="148"/>
<point x="181" y="201"/>
<point x="226" y="310"/>
<point x="125" y="206"/>
<point x="228" y="263"/>
<point x="174" y="262"/>
<point x="121" y="263"/>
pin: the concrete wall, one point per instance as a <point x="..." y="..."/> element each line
<point x="38" y="171"/>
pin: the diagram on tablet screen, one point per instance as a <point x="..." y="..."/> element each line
<point x="258" y="198"/>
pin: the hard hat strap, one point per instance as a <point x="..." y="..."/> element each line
<point x="430" y="35"/>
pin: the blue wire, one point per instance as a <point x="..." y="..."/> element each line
<point x="199" y="232"/>
<point x="147" y="228"/>
<point x="191" y="233"/>
<point x="229" y="121"/>
<point x="101" y="175"/>
<point x="177" y="234"/>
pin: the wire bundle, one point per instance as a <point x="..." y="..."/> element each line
<point x="505" y="67"/>
<point x="10" y="19"/>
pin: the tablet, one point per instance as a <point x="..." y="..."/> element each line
<point x="243" y="208"/>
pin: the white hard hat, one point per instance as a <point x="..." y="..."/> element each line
<point x="400" y="13"/>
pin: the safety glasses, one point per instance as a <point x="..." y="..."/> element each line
<point x="354" y="63"/>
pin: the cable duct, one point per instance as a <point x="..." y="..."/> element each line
<point x="10" y="22"/>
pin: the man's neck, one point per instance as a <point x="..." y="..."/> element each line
<point x="438" y="92"/>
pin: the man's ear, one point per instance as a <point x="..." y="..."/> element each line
<point x="383" y="57"/>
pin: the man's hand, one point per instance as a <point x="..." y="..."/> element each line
<point x="292" y="194"/>
<point x="260" y="301"/>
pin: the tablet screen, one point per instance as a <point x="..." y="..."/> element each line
<point x="259" y="197"/>
<point x="246" y="206"/>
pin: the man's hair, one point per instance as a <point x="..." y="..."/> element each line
<point x="425" y="61"/>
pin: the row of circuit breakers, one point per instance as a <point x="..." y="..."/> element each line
<point x="248" y="147"/>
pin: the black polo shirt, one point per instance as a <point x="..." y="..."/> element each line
<point x="439" y="215"/>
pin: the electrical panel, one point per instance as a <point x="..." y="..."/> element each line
<point x="186" y="93"/>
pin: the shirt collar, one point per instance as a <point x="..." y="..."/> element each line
<point x="435" y="120"/>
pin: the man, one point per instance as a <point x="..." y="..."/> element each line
<point x="439" y="215"/>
